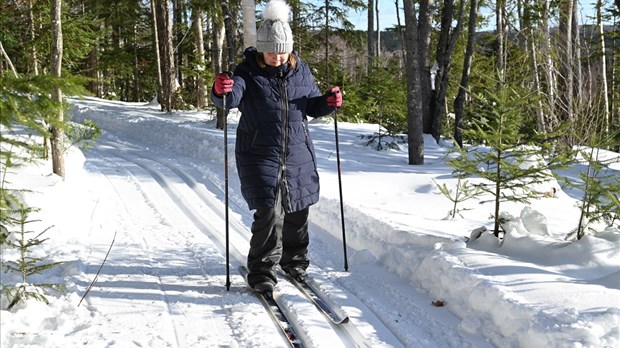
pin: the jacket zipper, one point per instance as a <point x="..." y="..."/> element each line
<point x="286" y="198"/>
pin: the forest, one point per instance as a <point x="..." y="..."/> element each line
<point x="517" y="89"/>
<point x="438" y="71"/>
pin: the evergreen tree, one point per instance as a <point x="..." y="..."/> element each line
<point x="512" y="160"/>
<point x="380" y="99"/>
<point x="24" y="103"/>
<point x="600" y="185"/>
<point x="27" y="265"/>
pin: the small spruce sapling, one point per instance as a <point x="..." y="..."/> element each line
<point x="27" y="265"/>
<point x="463" y="192"/>
<point x="10" y="201"/>
<point x="600" y="192"/>
<point x="384" y="140"/>
<point x="514" y="159"/>
<point x="380" y="99"/>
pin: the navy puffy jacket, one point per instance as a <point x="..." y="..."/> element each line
<point x="273" y="148"/>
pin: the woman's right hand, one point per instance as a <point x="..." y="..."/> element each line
<point x="223" y="84"/>
<point x="334" y="97"/>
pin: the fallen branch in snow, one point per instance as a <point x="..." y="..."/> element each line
<point x="98" y="271"/>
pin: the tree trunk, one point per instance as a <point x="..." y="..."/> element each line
<point x="370" y="36"/>
<point x="500" y="25"/>
<point x="400" y="33"/>
<point x="2" y="63"/>
<point x="296" y="24"/>
<point x="445" y="49"/>
<point x="34" y="61"/>
<point x="576" y="63"/>
<point x="157" y="55"/>
<point x="415" y="137"/>
<point x="201" y="90"/>
<point x="424" y="30"/>
<point x="229" y="24"/>
<point x="566" y="78"/>
<point x="58" y="134"/>
<point x="549" y="67"/>
<point x="4" y="55"/>
<point x="136" y="65"/>
<point x="604" y="90"/>
<point x="249" y="23"/>
<point x="166" y="49"/>
<point x="459" y="101"/>
<point x="326" y="43"/>
<point x="530" y="40"/>
<point x="178" y="51"/>
<point x="378" y="32"/>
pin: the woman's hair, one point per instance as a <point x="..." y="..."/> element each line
<point x="292" y="60"/>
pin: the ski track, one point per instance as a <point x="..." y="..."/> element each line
<point x="188" y="212"/>
<point x="166" y="247"/>
<point x="147" y="171"/>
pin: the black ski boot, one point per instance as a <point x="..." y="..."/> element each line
<point x="265" y="288"/>
<point x="297" y="273"/>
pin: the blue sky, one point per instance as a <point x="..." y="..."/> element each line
<point x="387" y="15"/>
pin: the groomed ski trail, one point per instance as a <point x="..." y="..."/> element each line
<point x="175" y="194"/>
<point x="157" y="269"/>
<point x="403" y="316"/>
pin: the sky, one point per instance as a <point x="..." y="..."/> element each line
<point x="148" y="199"/>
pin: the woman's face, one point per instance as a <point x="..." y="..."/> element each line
<point x="275" y="59"/>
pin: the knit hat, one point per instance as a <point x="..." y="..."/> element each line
<point x="274" y="34"/>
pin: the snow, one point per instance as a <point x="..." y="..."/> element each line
<point x="151" y="193"/>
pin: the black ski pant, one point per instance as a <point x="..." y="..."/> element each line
<point x="277" y="238"/>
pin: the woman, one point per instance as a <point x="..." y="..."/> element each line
<point x="275" y="92"/>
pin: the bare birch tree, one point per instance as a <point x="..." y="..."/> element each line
<point x="248" y="8"/>
<point x="530" y="43"/>
<point x="57" y="132"/>
<point x="378" y="30"/>
<point x="549" y="67"/>
<point x="201" y="90"/>
<point x="31" y="35"/>
<point x="604" y="90"/>
<point x="4" y="55"/>
<point x="157" y="54"/>
<point x="500" y="27"/>
<point x="178" y="20"/>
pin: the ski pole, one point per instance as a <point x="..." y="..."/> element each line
<point x="225" y="111"/>
<point x="344" y="236"/>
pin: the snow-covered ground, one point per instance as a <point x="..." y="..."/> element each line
<point x="153" y="186"/>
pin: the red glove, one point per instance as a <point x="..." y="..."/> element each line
<point x="334" y="97"/>
<point x="223" y="84"/>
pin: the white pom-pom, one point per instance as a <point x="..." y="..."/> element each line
<point x="277" y="10"/>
